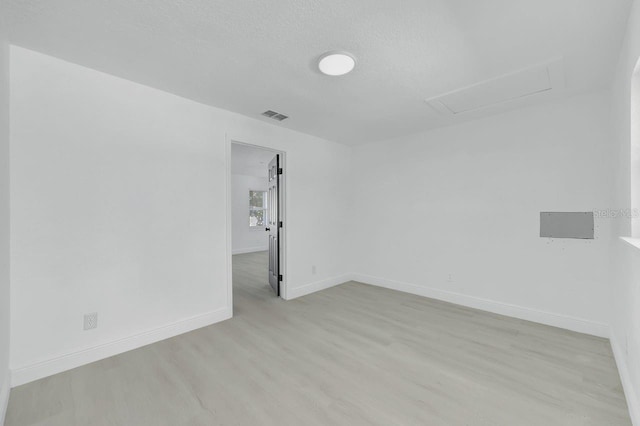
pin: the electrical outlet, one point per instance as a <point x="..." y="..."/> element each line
<point x="313" y="269"/>
<point x="90" y="321"/>
<point x="450" y="278"/>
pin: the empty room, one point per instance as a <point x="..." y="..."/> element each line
<point x="320" y="212"/>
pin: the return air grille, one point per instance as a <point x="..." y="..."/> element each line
<point x="275" y="115"/>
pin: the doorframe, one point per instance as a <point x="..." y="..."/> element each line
<point x="229" y="140"/>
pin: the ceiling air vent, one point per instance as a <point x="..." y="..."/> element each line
<point x="275" y="115"/>
<point x="503" y="90"/>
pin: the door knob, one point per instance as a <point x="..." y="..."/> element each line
<point x="267" y="229"/>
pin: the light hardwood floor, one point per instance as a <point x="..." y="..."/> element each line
<point x="350" y="355"/>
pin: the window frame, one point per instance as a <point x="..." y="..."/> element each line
<point x="263" y="208"/>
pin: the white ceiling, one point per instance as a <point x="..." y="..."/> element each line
<point x="250" y="56"/>
<point x="249" y="161"/>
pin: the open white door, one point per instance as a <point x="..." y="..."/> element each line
<point x="274" y="223"/>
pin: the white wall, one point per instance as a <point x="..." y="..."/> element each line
<point x="4" y="219"/>
<point x="465" y="201"/>
<point x="245" y="239"/>
<point x="625" y="318"/>
<point x="119" y="206"/>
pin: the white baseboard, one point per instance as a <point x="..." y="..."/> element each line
<point x="5" y="389"/>
<point x="629" y="392"/>
<point x="548" y="318"/>
<point x="249" y="250"/>
<point x="75" y="359"/>
<point x="296" y="292"/>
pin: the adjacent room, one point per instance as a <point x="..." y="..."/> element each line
<point x="303" y="212"/>
<point x="257" y="210"/>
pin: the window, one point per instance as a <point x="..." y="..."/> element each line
<point x="635" y="152"/>
<point x="257" y="209"/>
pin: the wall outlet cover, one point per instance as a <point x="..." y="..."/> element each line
<point x="91" y="321"/>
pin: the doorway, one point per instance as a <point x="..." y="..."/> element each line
<point x="256" y="183"/>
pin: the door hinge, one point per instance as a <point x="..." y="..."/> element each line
<point x="280" y="171"/>
<point x="279" y="277"/>
<point x="280" y="224"/>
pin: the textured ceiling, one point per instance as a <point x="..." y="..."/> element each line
<point x="250" y="56"/>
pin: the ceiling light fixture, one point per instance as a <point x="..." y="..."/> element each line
<point x="336" y="63"/>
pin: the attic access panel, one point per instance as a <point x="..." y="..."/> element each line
<point x="502" y="90"/>
<point x="577" y="225"/>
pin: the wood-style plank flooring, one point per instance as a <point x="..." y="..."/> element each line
<point x="350" y="355"/>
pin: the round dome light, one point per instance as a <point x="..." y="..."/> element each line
<point x="336" y="63"/>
